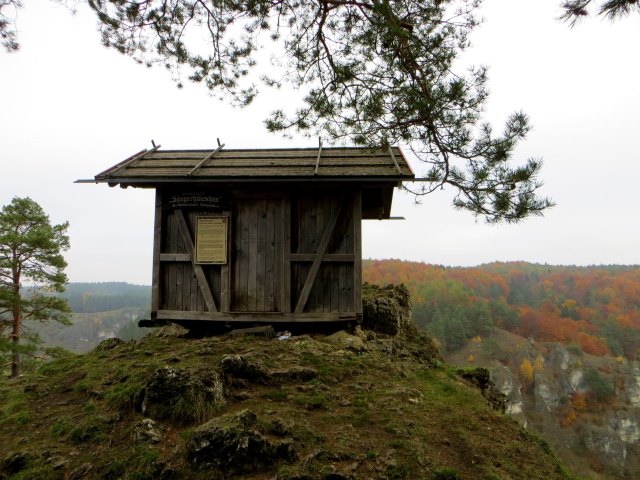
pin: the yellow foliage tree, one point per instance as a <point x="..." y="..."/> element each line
<point x="579" y="401"/>
<point x="526" y="372"/>
<point x="539" y="364"/>
<point x="569" y="417"/>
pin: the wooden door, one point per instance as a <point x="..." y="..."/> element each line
<point x="256" y="262"/>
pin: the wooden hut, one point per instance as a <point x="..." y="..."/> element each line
<point x="261" y="235"/>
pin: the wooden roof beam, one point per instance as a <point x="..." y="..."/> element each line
<point x="315" y="172"/>
<point x="395" y="162"/>
<point x="122" y="164"/>
<point x="202" y="162"/>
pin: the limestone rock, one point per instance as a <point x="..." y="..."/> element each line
<point x="347" y="341"/>
<point x="146" y="430"/>
<point x="509" y="384"/>
<point x="109" y="344"/>
<point x="480" y="378"/>
<point x="235" y="444"/>
<point x="386" y="309"/>
<point x="239" y="366"/>
<point x="182" y="395"/>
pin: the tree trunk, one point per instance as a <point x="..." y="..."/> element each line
<point x="15" y="334"/>
<point x="15" y="356"/>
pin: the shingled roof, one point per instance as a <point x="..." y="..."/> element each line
<point x="153" y="167"/>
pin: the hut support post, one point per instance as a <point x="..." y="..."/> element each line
<point x="157" y="237"/>
<point x="357" y="251"/>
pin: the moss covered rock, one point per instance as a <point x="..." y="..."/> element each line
<point x="236" y="444"/>
<point x="181" y="395"/>
<point x="386" y="309"/>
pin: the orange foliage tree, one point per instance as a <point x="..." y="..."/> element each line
<point x="597" y="308"/>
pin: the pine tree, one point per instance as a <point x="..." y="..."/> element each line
<point x="31" y="270"/>
<point x="371" y="72"/>
<point x="612" y="9"/>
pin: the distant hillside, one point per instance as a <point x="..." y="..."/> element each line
<point x="587" y="407"/>
<point x="560" y="342"/>
<point x="100" y="310"/>
<point x="89" y="329"/>
<point x="338" y="407"/>
<point x="106" y="296"/>
<point x="594" y="308"/>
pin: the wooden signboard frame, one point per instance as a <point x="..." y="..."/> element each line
<point x="212" y="240"/>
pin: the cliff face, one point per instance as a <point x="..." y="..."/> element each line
<point x="588" y="408"/>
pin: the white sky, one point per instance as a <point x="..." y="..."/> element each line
<point x="71" y="108"/>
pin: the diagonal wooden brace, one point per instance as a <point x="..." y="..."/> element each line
<point x="315" y="267"/>
<point x="202" y="278"/>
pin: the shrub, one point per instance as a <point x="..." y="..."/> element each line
<point x="446" y="473"/>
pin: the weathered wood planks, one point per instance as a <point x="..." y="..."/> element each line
<point x="256" y="165"/>
<point x="271" y="317"/>
<point x="293" y="220"/>
<point x="293" y="253"/>
<point x="257" y="261"/>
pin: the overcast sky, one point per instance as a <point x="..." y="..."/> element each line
<point x="71" y="108"/>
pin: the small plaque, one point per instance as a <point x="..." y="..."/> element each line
<point x="211" y="240"/>
<point x="202" y="200"/>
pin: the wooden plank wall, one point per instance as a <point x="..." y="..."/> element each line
<point x="257" y="248"/>
<point x="179" y="287"/>
<point x="274" y="240"/>
<point x="333" y="289"/>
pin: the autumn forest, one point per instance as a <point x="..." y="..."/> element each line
<point x="592" y="309"/>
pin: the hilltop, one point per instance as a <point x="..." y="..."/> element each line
<point x="310" y="407"/>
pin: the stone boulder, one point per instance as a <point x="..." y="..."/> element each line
<point x="236" y="444"/>
<point x="147" y="431"/>
<point x="346" y="341"/>
<point x="387" y="309"/>
<point x="236" y="366"/>
<point x="182" y="395"/>
<point x="109" y="344"/>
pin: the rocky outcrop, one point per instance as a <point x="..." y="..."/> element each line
<point x="386" y="309"/>
<point x="577" y="402"/>
<point x="182" y="395"/>
<point x="147" y="431"/>
<point x="480" y="378"/>
<point x="240" y="367"/>
<point x="109" y="344"/>
<point x="236" y="444"/>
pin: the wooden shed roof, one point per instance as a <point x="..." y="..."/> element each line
<point x="153" y="167"/>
